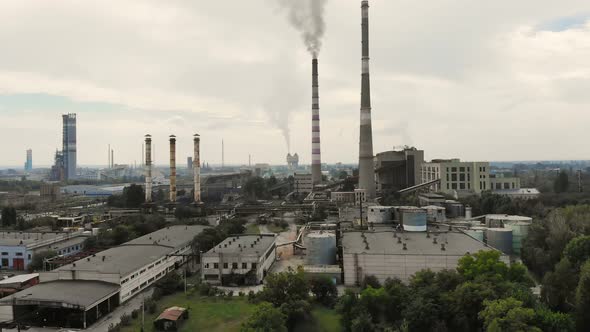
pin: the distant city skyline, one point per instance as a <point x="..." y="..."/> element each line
<point x="498" y="81"/>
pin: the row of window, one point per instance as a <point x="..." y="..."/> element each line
<point x="233" y="265"/>
<point x="68" y="250"/>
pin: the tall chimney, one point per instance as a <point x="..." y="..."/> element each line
<point x="366" y="168"/>
<point x="148" y="168"/>
<point x="222" y="155"/>
<point x="113" y="158"/>
<point x="316" y="157"/>
<point x="197" y="168"/>
<point x="172" y="168"/>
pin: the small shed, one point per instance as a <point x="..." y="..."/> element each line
<point x="171" y="319"/>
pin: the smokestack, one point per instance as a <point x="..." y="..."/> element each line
<point x="222" y="155"/>
<point x="316" y="157"/>
<point x="172" y="168"/>
<point x="197" y="168"/>
<point x="113" y="158"/>
<point x="366" y="168"/>
<point x="148" y="168"/>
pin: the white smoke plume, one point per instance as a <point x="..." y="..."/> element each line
<point x="307" y="16"/>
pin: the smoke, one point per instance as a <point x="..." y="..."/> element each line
<point x="307" y="16"/>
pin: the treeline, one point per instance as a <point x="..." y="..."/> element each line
<point x="126" y="229"/>
<point x="22" y="187"/>
<point x="483" y="294"/>
<point x="210" y="237"/>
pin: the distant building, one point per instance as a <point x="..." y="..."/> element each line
<point x="57" y="172"/>
<point x="457" y="178"/>
<point x="401" y="254"/>
<point x="29" y="162"/>
<point x="396" y="170"/>
<point x="292" y="161"/>
<point x="522" y="193"/>
<point x="189" y="163"/>
<point x="500" y="182"/>
<point x="303" y="183"/>
<point x="49" y="190"/>
<point x="240" y="259"/>
<point x="69" y="145"/>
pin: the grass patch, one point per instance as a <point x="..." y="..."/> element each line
<point x="252" y="229"/>
<point x="205" y="313"/>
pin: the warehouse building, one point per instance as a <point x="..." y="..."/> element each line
<point x="240" y="259"/>
<point x="18" y="248"/>
<point x="79" y="294"/>
<point x="390" y="254"/>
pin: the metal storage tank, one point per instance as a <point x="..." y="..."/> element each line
<point x="321" y="248"/>
<point x="520" y="230"/>
<point x="498" y="220"/>
<point x="413" y="219"/>
<point x="500" y="238"/>
<point x="476" y="233"/>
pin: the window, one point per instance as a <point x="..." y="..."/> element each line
<point x="4" y="253"/>
<point x="468" y="185"/>
<point x="462" y="177"/>
<point x="453" y="169"/>
<point x="453" y="177"/>
<point x="448" y="187"/>
<point x="454" y="186"/>
<point x="29" y="256"/>
<point x="254" y="265"/>
<point x="462" y="185"/>
<point x="244" y="265"/>
<point x="234" y="265"/>
<point x="461" y="169"/>
<point x="215" y="265"/>
<point x="19" y="253"/>
<point x="447" y="176"/>
<point x="225" y="265"/>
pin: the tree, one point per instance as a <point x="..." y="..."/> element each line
<point x="371" y="281"/>
<point x="398" y="296"/>
<point x="559" y="286"/>
<point x="467" y="302"/>
<point x="38" y="260"/>
<point x="507" y="315"/>
<point x="169" y="284"/>
<point x="134" y="196"/>
<point x="362" y="323"/>
<point x="8" y="216"/>
<point x="285" y="287"/>
<point x="265" y="318"/>
<point x="583" y="299"/>
<point x="482" y="264"/>
<point x="561" y="183"/>
<point x="121" y="234"/>
<point x="324" y="290"/>
<point x="577" y="251"/>
<point x="347" y="307"/>
<point x="551" y="321"/>
<point x="374" y="301"/>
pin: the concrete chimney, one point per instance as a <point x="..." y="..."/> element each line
<point x="316" y="157"/>
<point x="366" y="167"/>
<point x="148" y="168"/>
<point x="172" y="168"/>
<point x="197" y="168"/>
<point x="113" y="158"/>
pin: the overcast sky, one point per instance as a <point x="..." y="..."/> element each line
<point x="478" y="80"/>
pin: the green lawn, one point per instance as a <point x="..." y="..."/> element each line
<point x="206" y="314"/>
<point x="252" y="229"/>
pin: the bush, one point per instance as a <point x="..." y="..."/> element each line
<point x="204" y="289"/>
<point x="252" y="298"/>
<point x="125" y="320"/>
<point x="114" y="328"/>
<point x="241" y="294"/>
<point x="151" y="307"/>
<point x="135" y="314"/>
<point x="230" y="293"/>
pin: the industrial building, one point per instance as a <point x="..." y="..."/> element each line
<point x="92" y="190"/>
<point x="499" y="182"/>
<point x="303" y="183"/>
<point x="396" y="170"/>
<point x="292" y="161"/>
<point x="457" y="178"/>
<point x="69" y="146"/>
<point x="79" y="294"/>
<point x="391" y="254"/>
<point x="17" y="249"/>
<point x="522" y="193"/>
<point x="240" y="259"/>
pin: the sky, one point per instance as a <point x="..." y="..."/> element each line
<point x="477" y="80"/>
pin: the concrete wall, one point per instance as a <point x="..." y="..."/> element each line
<point x="263" y="263"/>
<point x="456" y="176"/>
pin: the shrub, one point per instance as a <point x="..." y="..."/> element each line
<point x="241" y="294"/>
<point x="125" y="320"/>
<point x="135" y="314"/>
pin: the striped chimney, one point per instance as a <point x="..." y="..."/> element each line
<point x="148" y="168"/>
<point x="172" y="168"/>
<point x="366" y="166"/>
<point x="316" y="156"/>
<point x="197" y="168"/>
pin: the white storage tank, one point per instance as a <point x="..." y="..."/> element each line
<point x="379" y="214"/>
<point x="413" y="219"/>
<point x="476" y="233"/>
<point x="520" y="230"/>
<point x="500" y="238"/>
<point x="321" y="248"/>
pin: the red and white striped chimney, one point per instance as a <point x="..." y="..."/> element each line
<point x="316" y="156"/>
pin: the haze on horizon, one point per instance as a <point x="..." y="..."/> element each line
<point x="476" y="80"/>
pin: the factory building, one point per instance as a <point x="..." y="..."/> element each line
<point x="499" y="182"/>
<point x="356" y="197"/>
<point x="78" y="294"/>
<point x="303" y="183"/>
<point x="292" y="161"/>
<point x="456" y="177"/>
<point x="240" y="259"/>
<point x="396" y="170"/>
<point x="392" y="254"/>
<point x="17" y="249"/>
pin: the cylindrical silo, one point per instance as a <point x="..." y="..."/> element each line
<point x="321" y="248"/>
<point x="476" y="233"/>
<point x="414" y="219"/>
<point x="500" y="238"/>
<point x="520" y="230"/>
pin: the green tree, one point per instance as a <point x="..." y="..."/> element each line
<point x="583" y="299"/>
<point x="255" y="188"/>
<point x="288" y="286"/>
<point x="134" y="196"/>
<point x="551" y="321"/>
<point x="8" y="216"/>
<point x="121" y="234"/>
<point x="265" y="318"/>
<point x="561" y="183"/>
<point x="362" y="323"/>
<point x="467" y="302"/>
<point x="482" y="264"/>
<point x="370" y="281"/>
<point x="559" y="286"/>
<point x="324" y="290"/>
<point x="507" y="315"/>
<point x="347" y="307"/>
<point x="398" y="295"/>
<point x="38" y="260"/>
<point x="577" y="251"/>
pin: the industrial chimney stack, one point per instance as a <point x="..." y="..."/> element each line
<point x="197" y="168"/>
<point x="316" y="157"/>
<point x="148" y="168"/>
<point x="172" y="168"/>
<point x="366" y="168"/>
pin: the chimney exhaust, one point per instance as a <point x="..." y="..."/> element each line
<point x="366" y="168"/>
<point x="316" y="157"/>
<point x="172" y="168"/>
<point x="148" y="168"/>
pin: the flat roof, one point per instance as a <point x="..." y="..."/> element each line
<point x="19" y="278"/>
<point x="76" y="293"/>
<point x="137" y="253"/>
<point x="417" y="243"/>
<point x="244" y="244"/>
<point x="16" y="238"/>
